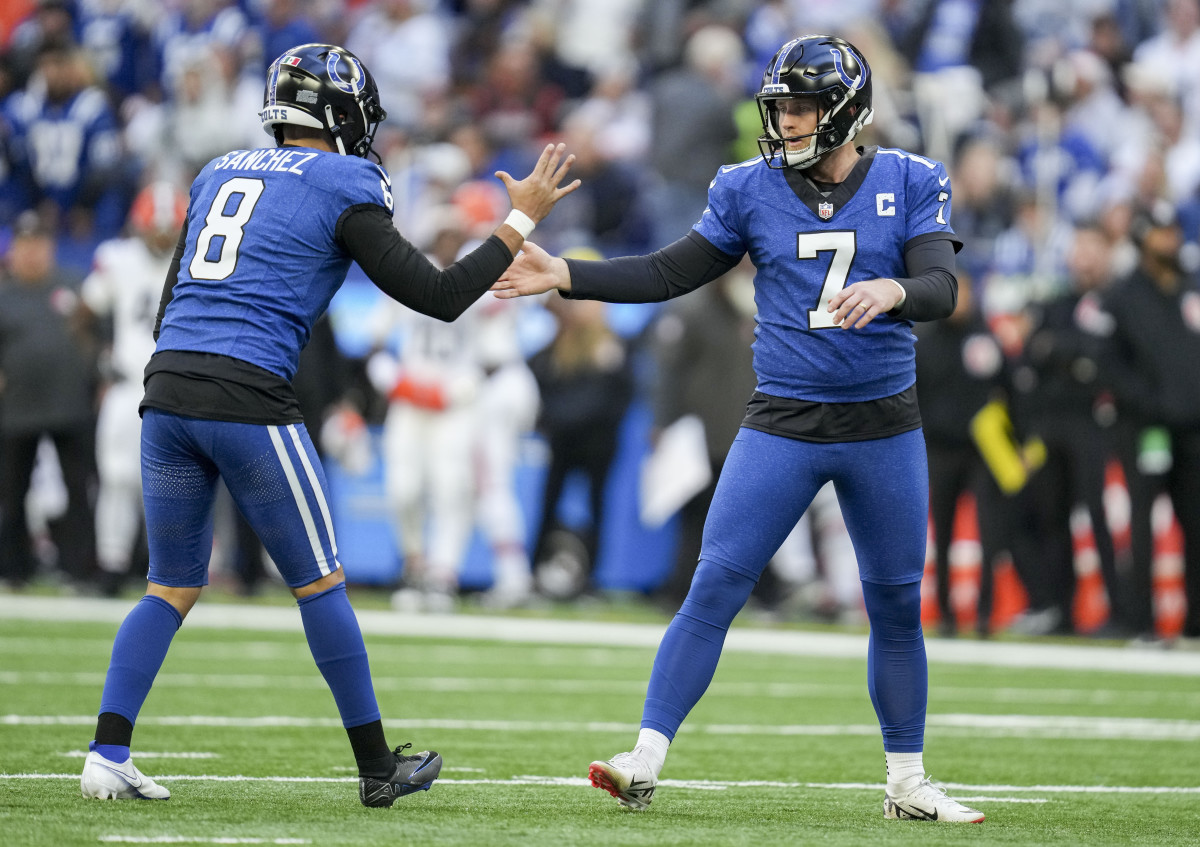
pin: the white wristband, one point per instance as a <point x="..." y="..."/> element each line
<point x="903" y="294"/>
<point x="521" y="222"/>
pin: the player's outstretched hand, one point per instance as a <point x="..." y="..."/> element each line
<point x="533" y="272"/>
<point x="537" y="193"/>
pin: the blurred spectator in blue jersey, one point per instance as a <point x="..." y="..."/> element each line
<point x="65" y="146"/>
<point x="1057" y="157"/>
<point x="116" y="37"/>
<point x="192" y="26"/>
<point x="959" y="50"/>
<point x="48" y="378"/>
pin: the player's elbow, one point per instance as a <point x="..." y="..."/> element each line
<point x="445" y="312"/>
<point x="951" y="295"/>
<point x="945" y="284"/>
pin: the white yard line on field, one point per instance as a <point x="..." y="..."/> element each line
<point x="189" y="839"/>
<point x="982" y="792"/>
<point x="992" y="726"/>
<point x="497" y="628"/>
<point x="143" y="754"/>
<point x="523" y="685"/>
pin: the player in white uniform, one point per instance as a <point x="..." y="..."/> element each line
<point x="460" y="397"/>
<point x="505" y="412"/>
<point x="125" y="284"/>
<point x="431" y="381"/>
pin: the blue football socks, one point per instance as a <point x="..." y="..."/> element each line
<point x="687" y="657"/>
<point x="897" y="670"/>
<point x="337" y="647"/>
<point x="138" y="652"/>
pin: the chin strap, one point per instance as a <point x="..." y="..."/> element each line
<point x="334" y="129"/>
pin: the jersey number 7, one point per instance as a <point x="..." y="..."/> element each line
<point x="843" y="244"/>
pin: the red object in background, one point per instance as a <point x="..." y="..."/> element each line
<point x="423" y="395"/>
<point x="1091" y="600"/>
<point x="12" y="12"/>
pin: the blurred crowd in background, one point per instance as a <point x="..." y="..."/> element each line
<point x="1071" y="129"/>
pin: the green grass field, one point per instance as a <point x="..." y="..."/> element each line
<point x="784" y="749"/>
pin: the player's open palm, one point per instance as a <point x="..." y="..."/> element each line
<point x="537" y="193"/>
<point x="534" y="271"/>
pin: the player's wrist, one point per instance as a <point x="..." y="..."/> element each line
<point x="562" y="274"/>
<point x="521" y="222"/>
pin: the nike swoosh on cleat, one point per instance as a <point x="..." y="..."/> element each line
<point x="919" y="813"/>
<point x="135" y="782"/>
<point x="422" y="767"/>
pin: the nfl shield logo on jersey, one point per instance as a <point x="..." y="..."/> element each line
<point x="825" y="210"/>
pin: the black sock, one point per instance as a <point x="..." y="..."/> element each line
<point x="113" y="729"/>
<point x="371" y="751"/>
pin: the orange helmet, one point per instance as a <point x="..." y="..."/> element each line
<point x="482" y="205"/>
<point x="160" y="207"/>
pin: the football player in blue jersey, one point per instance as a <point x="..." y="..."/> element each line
<point x="851" y="246"/>
<point x="269" y="236"/>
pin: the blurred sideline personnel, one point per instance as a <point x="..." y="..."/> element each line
<point x="585" y="380"/>
<point x="851" y="245"/>
<point x="48" y="381"/>
<point x="1151" y="326"/>
<point x="124" y="287"/>
<point x="1061" y="399"/>
<point x="269" y="237"/>
<point x="960" y="369"/>
<point x="704" y="369"/>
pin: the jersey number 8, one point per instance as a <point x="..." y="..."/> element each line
<point x="226" y="221"/>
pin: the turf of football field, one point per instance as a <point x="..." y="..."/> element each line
<point x="784" y="748"/>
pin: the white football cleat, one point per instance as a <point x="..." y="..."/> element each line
<point x="626" y="777"/>
<point x="928" y="802"/>
<point x="105" y="780"/>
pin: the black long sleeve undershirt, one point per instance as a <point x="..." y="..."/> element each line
<point x="397" y="268"/>
<point x="168" y="292"/>
<point x="405" y="274"/>
<point x="676" y="269"/>
<point x="931" y="287"/>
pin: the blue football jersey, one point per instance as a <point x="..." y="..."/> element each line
<point x="261" y="262"/>
<point x="807" y="249"/>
